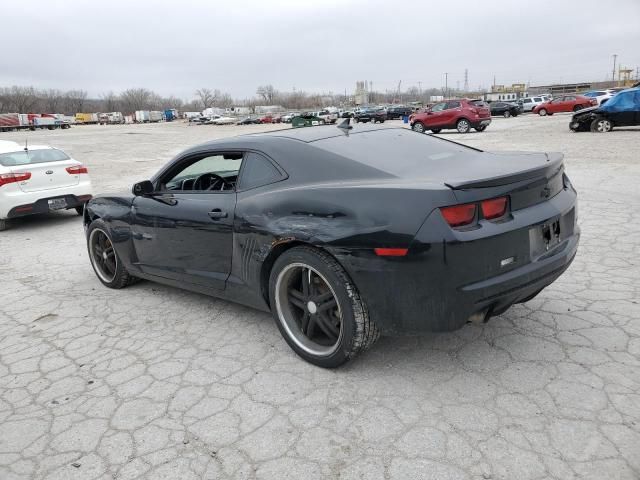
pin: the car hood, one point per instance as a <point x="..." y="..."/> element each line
<point x="585" y="111"/>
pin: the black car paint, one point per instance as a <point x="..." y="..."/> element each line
<point x="499" y="108"/>
<point x="370" y="115"/>
<point x="348" y="208"/>
<point x="581" y="120"/>
<point x="398" y="112"/>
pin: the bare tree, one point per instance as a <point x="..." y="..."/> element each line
<point x="267" y="92"/>
<point x="134" y="99"/>
<point x="74" y="100"/>
<point x="52" y="100"/>
<point x="110" y="102"/>
<point x="206" y="96"/>
<point x="172" y="102"/>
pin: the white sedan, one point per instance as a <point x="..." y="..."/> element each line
<point x="225" y="121"/>
<point x="39" y="179"/>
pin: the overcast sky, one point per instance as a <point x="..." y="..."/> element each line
<point x="174" y="47"/>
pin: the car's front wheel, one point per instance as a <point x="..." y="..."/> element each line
<point x="542" y="112"/>
<point x="601" y="125"/>
<point x="506" y="114"/>
<point x="577" y="108"/>
<point x="418" y="127"/>
<point x="481" y="128"/>
<point x="463" y="125"/>
<point x="104" y="258"/>
<point x="317" y="308"/>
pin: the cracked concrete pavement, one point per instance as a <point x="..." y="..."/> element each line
<point x="156" y="383"/>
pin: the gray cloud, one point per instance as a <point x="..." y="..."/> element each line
<point x="175" y="47"/>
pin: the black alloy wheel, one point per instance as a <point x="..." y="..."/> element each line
<point x="317" y="309"/>
<point x="104" y="258"/>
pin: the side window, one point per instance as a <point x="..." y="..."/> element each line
<point x="257" y="171"/>
<point x="569" y="99"/>
<point x="211" y="173"/>
<point x="438" y="107"/>
<point x="451" y="105"/>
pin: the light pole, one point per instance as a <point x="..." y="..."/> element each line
<point x="446" y="85"/>
<point x="613" y="74"/>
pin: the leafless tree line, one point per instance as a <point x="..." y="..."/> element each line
<point x="32" y="100"/>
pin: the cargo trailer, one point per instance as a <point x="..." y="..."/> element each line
<point x="142" y="116"/>
<point x="155" y="116"/>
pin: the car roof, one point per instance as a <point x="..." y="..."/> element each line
<point x="7" y="146"/>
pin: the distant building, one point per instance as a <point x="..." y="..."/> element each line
<point x="502" y="93"/>
<point x="362" y="93"/>
<point x="560" y="88"/>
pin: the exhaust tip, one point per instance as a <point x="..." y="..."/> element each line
<point x="478" y="318"/>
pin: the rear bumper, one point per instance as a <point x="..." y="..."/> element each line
<point x="447" y="280"/>
<point x="481" y="122"/>
<point x="42" y="205"/>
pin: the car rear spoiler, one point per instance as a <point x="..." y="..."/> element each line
<point x="553" y="164"/>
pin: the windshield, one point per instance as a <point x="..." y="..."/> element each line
<point x="43" y="155"/>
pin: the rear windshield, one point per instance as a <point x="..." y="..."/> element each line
<point x="32" y="156"/>
<point x="399" y="152"/>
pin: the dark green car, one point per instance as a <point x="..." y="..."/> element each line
<point x="306" y="120"/>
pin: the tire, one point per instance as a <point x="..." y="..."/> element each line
<point x="4" y="224"/>
<point x="506" y="114"/>
<point x="111" y="274"/>
<point x="542" y="112"/>
<point x="418" y="127"/>
<point x="601" y="125"/>
<point x="436" y="130"/>
<point x="463" y="125"/>
<point x="80" y="209"/>
<point x="481" y="128"/>
<point x="577" y="108"/>
<point x="381" y="121"/>
<point x="355" y="120"/>
<point x="332" y="337"/>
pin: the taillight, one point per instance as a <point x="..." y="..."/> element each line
<point x="76" y="170"/>
<point x="6" y="178"/>
<point x="494" y="208"/>
<point x="459" y="215"/>
<point x="391" y="252"/>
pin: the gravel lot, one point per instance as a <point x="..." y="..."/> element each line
<point x="153" y="382"/>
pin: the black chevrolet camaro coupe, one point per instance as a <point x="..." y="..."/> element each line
<point x="344" y="236"/>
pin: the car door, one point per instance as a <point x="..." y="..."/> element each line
<point x="184" y="230"/>
<point x="451" y="113"/>
<point x="434" y="117"/>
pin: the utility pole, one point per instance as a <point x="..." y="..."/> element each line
<point x="613" y="75"/>
<point x="446" y="84"/>
<point x="466" y="80"/>
<point x="420" y="88"/>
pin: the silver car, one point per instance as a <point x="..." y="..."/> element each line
<point x="529" y="103"/>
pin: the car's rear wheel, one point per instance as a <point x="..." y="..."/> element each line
<point x="601" y="125"/>
<point x="506" y="114"/>
<point x="317" y="309"/>
<point x="4" y="224"/>
<point x="463" y="125"/>
<point x="542" y="112"/>
<point x="418" y="127"/>
<point x="104" y="258"/>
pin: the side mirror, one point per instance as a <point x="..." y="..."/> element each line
<point x="142" y="188"/>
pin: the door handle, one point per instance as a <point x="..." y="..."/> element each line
<point x="216" y="213"/>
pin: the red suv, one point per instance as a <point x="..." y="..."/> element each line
<point x="463" y="115"/>
<point x="565" y="103"/>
